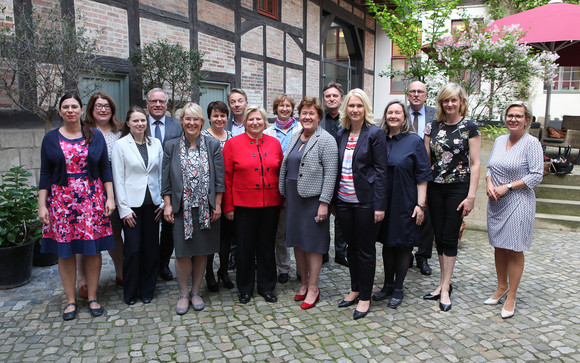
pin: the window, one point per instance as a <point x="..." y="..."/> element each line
<point x="398" y="63"/>
<point x="268" y="8"/>
<point x="567" y="80"/>
<point x="339" y="59"/>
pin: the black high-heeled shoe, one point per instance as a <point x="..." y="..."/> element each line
<point x="225" y="279"/>
<point x="212" y="284"/>
<point x="430" y="296"/>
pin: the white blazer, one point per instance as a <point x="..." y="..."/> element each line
<point x="130" y="177"/>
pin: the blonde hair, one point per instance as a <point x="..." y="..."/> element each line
<point x="450" y="90"/>
<point x="193" y="109"/>
<point x="254" y="108"/>
<point x="356" y="92"/>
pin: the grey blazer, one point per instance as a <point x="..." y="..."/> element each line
<point x="318" y="168"/>
<point x="172" y="178"/>
<point x="430" y="113"/>
<point x="173" y="129"/>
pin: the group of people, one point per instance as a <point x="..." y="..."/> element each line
<point x="266" y="189"/>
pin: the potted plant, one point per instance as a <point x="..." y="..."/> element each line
<point x="19" y="227"/>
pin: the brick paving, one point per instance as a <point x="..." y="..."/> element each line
<point x="546" y="326"/>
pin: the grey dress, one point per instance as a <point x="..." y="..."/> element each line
<point x="510" y="220"/>
<point x="302" y="230"/>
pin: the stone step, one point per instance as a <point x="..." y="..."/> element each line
<point x="568" y="179"/>
<point x="558" y="207"/>
<point x="555" y="191"/>
<point x="557" y="222"/>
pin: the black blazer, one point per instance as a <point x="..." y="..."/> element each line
<point x="369" y="165"/>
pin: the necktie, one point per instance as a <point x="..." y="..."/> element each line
<point x="158" y="131"/>
<point x="416" y="121"/>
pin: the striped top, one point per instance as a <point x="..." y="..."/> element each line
<point x="346" y="191"/>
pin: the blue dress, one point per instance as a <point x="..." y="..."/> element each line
<point x="407" y="165"/>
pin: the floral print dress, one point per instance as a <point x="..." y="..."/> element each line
<point x="78" y="224"/>
<point x="450" y="150"/>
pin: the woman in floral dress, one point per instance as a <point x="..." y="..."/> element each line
<point x="75" y="198"/>
<point x="453" y="144"/>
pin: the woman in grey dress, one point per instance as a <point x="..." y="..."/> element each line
<point x="192" y="188"/>
<point x="515" y="167"/>
<point x="307" y="179"/>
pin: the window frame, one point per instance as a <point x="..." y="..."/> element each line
<point x="273" y="13"/>
<point x="397" y="58"/>
<point x="559" y="80"/>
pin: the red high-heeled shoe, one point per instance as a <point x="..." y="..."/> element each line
<point x="299" y="297"/>
<point x="305" y="305"/>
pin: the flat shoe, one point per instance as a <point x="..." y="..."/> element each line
<point x="71" y="314"/>
<point x="346" y="303"/>
<point x="181" y="311"/>
<point x="197" y="307"/>
<point x="98" y="311"/>
<point x="492" y="301"/>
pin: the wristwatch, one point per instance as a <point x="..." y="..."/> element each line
<point x="509" y="186"/>
<point x="422" y="207"/>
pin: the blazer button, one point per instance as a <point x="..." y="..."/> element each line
<point x="251" y="142"/>
<point x="256" y="169"/>
<point x="268" y="185"/>
<point x="302" y="164"/>
<point x="300" y="175"/>
<point x="265" y="154"/>
<point x="257" y="185"/>
<point x="267" y="169"/>
<point x="254" y="155"/>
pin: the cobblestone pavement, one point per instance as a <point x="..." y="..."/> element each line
<point x="546" y="326"/>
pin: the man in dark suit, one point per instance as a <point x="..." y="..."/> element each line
<point x="163" y="128"/>
<point x="332" y="96"/>
<point x="421" y="115"/>
<point x="238" y="101"/>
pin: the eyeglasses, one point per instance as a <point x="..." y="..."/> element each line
<point x="157" y="101"/>
<point x="415" y="92"/>
<point x="517" y="117"/>
<point x="101" y="107"/>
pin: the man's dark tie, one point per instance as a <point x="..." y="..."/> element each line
<point x="158" y="130"/>
<point x="416" y="121"/>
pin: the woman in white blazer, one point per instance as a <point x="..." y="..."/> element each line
<point x="136" y="163"/>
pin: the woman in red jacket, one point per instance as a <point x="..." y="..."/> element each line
<point x="252" y="167"/>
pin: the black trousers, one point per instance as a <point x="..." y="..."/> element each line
<point x="166" y="243"/>
<point x="141" y="254"/>
<point x="360" y="232"/>
<point x="255" y="237"/>
<point x="446" y="219"/>
<point x="425" y="249"/>
<point x="339" y="241"/>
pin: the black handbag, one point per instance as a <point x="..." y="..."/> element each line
<point x="560" y="164"/>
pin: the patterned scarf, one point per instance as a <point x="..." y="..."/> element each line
<point x="285" y="124"/>
<point x="195" y="171"/>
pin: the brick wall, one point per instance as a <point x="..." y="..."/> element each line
<point x="249" y="4"/>
<point x="369" y="57"/>
<point x="218" y="54"/>
<point x="274" y="43"/>
<point x="294" y="83"/>
<point x="253" y="80"/>
<point x="292" y="12"/>
<point x="174" y="6"/>
<point x="109" y="23"/>
<point x="369" y="87"/>
<point x="313" y="28"/>
<point x="252" y="41"/>
<point x="275" y="86"/>
<point x="293" y="52"/>
<point x="312" y="78"/>
<point x="152" y="31"/>
<point x="215" y="14"/>
<point x="345" y="5"/>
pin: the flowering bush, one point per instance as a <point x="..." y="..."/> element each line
<point x="492" y="65"/>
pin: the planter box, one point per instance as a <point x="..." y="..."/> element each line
<point x="16" y="265"/>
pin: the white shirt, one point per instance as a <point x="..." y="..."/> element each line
<point x="153" y="126"/>
<point x="237" y="129"/>
<point x="421" y="123"/>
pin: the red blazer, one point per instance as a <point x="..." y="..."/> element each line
<point x="252" y="171"/>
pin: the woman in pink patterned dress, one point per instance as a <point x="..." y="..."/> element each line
<point x="75" y="198"/>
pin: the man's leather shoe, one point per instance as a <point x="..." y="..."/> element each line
<point x="283" y="278"/>
<point x="165" y="273"/>
<point x="245" y="298"/>
<point x="341" y="261"/>
<point x="424" y="267"/>
<point x="131" y="301"/>
<point x="394" y="302"/>
<point x="269" y="296"/>
<point x="411" y="261"/>
<point x="146" y="300"/>
<point x="346" y="303"/>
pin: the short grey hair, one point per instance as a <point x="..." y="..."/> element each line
<point x="525" y="105"/>
<point x="157" y="90"/>
<point x="238" y="90"/>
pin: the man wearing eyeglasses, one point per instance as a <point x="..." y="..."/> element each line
<point x="163" y="128"/>
<point x="421" y="115"/>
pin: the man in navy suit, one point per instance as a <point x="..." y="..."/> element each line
<point x="163" y="128"/>
<point x="238" y="101"/>
<point x="421" y="115"/>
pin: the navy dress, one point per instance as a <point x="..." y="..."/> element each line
<point x="407" y="165"/>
